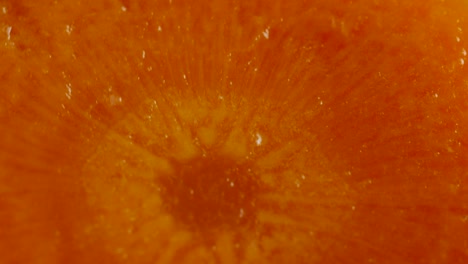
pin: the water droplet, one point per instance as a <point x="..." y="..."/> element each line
<point x="298" y="183"/>
<point x="8" y="32"/>
<point x="333" y="22"/>
<point x="258" y="139"/>
<point x="266" y="33"/>
<point x="343" y="28"/>
<point x="68" y="29"/>
<point x="69" y="91"/>
<point x="465" y="219"/>
<point x="115" y="100"/>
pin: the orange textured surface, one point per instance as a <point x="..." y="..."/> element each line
<point x="233" y="131"/>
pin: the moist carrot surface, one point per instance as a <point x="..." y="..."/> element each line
<point x="233" y="131"/>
